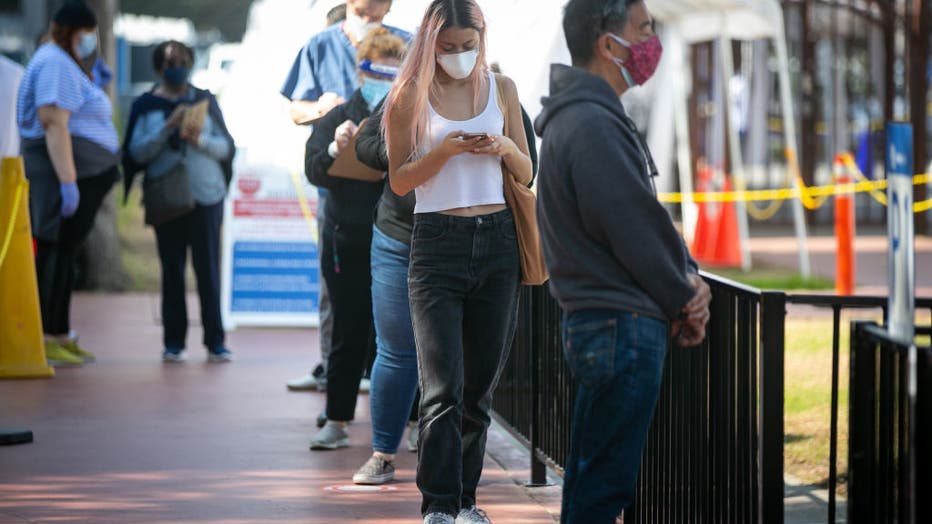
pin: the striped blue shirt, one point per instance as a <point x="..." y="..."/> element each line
<point x="52" y="78"/>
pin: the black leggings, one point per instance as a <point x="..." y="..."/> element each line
<point x="345" y="250"/>
<point x="55" y="260"/>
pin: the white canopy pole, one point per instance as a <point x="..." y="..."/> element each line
<point x="688" y="208"/>
<point x="734" y="147"/>
<point x="789" y="130"/>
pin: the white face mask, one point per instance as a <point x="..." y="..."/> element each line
<point x="460" y="65"/>
<point x="86" y="45"/>
<point x="357" y="27"/>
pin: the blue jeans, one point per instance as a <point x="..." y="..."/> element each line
<point x="463" y="281"/>
<point x="394" y="374"/>
<point x="617" y="360"/>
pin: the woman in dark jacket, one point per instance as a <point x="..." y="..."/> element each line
<point x="347" y="233"/>
<point x="179" y="126"/>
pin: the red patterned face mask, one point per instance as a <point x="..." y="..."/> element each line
<point x="643" y="62"/>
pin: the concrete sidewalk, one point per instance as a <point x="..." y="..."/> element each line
<point x="131" y="440"/>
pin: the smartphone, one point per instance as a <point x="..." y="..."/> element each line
<point x="471" y="136"/>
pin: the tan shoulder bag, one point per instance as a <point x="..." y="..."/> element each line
<point x="523" y="204"/>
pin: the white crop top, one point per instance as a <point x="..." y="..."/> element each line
<point x="466" y="179"/>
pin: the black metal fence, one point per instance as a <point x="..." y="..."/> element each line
<point x="839" y="305"/>
<point x="715" y="449"/>
<point x="890" y="468"/>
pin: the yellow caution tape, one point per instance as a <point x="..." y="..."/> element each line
<point x="305" y="208"/>
<point x="811" y="194"/>
<point x="8" y="236"/>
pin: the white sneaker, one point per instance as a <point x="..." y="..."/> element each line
<point x="439" y="518"/>
<point x="375" y="471"/>
<point x="306" y="382"/>
<point x="332" y="436"/>
<point x="414" y="432"/>
<point x="472" y="515"/>
<point x="364" y="385"/>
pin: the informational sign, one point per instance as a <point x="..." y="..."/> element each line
<point x="902" y="257"/>
<point x="270" y="262"/>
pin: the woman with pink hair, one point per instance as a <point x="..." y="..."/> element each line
<point x="447" y="141"/>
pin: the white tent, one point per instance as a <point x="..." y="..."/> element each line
<point x="690" y="21"/>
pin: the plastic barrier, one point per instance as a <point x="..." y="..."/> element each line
<point x="22" y="350"/>
<point x="844" y="232"/>
<point x="716" y="239"/>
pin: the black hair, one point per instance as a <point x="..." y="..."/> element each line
<point x="336" y="15"/>
<point x="159" y="55"/>
<point x="457" y="13"/>
<point x="75" y="13"/>
<point x="584" y="21"/>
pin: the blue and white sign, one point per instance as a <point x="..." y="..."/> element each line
<point x="271" y="273"/>
<point x="900" y="233"/>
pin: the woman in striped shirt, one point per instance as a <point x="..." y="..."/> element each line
<point x="69" y="146"/>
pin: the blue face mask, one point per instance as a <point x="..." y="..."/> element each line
<point x="86" y="45"/>
<point x="176" y="76"/>
<point x="374" y="90"/>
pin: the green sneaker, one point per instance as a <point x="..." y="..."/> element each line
<point x="57" y="355"/>
<point x="72" y="347"/>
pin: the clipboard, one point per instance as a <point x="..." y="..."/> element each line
<point x="196" y="116"/>
<point x="346" y="165"/>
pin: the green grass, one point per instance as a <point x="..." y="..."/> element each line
<point x="140" y="257"/>
<point x="772" y="278"/>
<point x="808" y="393"/>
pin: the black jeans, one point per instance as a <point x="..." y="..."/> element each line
<point x="345" y="259"/>
<point x="55" y="260"/>
<point x="198" y="230"/>
<point x="463" y="283"/>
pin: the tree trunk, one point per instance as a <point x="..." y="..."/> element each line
<point x="102" y="261"/>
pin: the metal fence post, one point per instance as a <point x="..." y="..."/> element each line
<point x="773" y="316"/>
<point x="538" y="468"/>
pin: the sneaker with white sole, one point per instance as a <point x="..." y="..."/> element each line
<point x="58" y="356"/>
<point x="414" y="432"/>
<point x="472" y="515"/>
<point x="332" y="436"/>
<point x="219" y="354"/>
<point x="439" y="518"/>
<point x="307" y="382"/>
<point x="72" y="347"/>
<point x="375" y="471"/>
<point x="174" y="355"/>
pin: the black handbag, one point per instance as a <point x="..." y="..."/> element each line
<point x="169" y="196"/>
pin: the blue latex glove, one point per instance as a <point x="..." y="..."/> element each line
<point x="70" y="198"/>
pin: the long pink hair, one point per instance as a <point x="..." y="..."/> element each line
<point x="420" y="66"/>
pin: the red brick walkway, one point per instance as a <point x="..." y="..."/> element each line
<point x="130" y="440"/>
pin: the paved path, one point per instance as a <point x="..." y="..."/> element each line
<point x="870" y="264"/>
<point x="130" y="440"/>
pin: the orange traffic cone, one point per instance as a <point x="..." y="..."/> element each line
<point x="716" y="239"/>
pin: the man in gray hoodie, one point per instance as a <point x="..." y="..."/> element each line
<point x="618" y="267"/>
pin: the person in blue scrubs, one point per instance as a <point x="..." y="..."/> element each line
<point x="322" y="77"/>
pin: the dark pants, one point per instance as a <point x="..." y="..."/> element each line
<point x="463" y="283"/>
<point x="198" y="230"/>
<point x="345" y="260"/>
<point x="55" y="260"/>
<point x="617" y="361"/>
